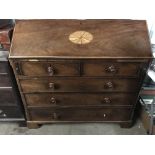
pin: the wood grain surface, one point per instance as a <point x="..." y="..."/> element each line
<point x="111" y="39"/>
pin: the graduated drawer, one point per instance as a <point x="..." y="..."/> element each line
<point x="3" y="67"/>
<point x="52" y="68"/>
<point x="10" y="112"/>
<point x="78" y="85"/>
<point x="79" y="99"/>
<point x="80" y="114"/>
<point x="111" y="69"/>
<point x="5" y="80"/>
<point x="7" y="97"/>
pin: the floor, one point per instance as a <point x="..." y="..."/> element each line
<point x="72" y="129"/>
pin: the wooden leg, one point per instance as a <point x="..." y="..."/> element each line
<point x="33" y="125"/>
<point x="126" y="124"/>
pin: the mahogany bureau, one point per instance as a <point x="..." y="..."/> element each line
<point x="80" y="70"/>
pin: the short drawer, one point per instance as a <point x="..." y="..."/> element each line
<point x="80" y="114"/>
<point x="49" y="68"/>
<point x="5" y="80"/>
<point x="79" y="85"/>
<point x="79" y="99"/>
<point x="10" y="112"/>
<point x="111" y="69"/>
<point x="3" y="67"/>
<point x="7" y="97"/>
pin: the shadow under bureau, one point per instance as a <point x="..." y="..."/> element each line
<point x="80" y="70"/>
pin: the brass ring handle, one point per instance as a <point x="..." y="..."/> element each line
<point x="107" y="100"/>
<point x="111" y="69"/>
<point x="109" y="85"/>
<point x="52" y="100"/>
<point x="51" y="85"/>
<point x="50" y="70"/>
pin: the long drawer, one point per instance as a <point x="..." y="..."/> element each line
<point x="80" y="114"/>
<point x="10" y="112"/>
<point x="7" y="97"/>
<point x="52" y="68"/>
<point x="78" y="85"/>
<point x="111" y="69"/>
<point x="5" y="80"/>
<point x="79" y="99"/>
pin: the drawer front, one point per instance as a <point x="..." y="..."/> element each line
<point x="3" y="67"/>
<point x="80" y="114"/>
<point x="7" y="97"/>
<point x="5" y="80"/>
<point x="79" y="85"/>
<point x="111" y="69"/>
<point x="77" y="99"/>
<point x="50" y="69"/>
<point x="10" y="112"/>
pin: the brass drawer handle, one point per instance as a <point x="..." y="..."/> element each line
<point x="53" y="100"/>
<point x="51" y="85"/>
<point x="55" y="116"/>
<point x="109" y="85"/>
<point x="107" y="100"/>
<point x="104" y="115"/>
<point x="50" y="70"/>
<point x="111" y="69"/>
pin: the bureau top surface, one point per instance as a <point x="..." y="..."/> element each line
<point x="80" y="39"/>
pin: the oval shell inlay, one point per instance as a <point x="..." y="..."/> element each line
<point x="80" y="37"/>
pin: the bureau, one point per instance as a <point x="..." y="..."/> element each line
<point x="80" y="70"/>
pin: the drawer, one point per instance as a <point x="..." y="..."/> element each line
<point x="10" y="112"/>
<point x="50" y="68"/>
<point x="111" y="69"/>
<point x="79" y="85"/>
<point x="80" y="114"/>
<point x="3" y="67"/>
<point x="79" y="99"/>
<point x="5" y="80"/>
<point x="7" y="97"/>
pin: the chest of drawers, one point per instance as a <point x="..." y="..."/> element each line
<point x="80" y="70"/>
